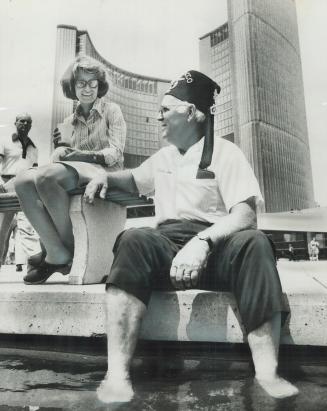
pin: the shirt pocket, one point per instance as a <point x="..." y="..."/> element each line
<point x="198" y="195"/>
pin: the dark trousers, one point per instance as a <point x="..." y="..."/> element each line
<point x="243" y="263"/>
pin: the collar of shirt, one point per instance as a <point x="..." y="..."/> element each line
<point x="195" y="148"/>
<point x="96" y="110"/>
<point x="29" y="142"/>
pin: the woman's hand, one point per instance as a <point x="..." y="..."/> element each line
<point x="99" y="183"/>
<point x="57" y="139"/>
<point x="58" y="154"/>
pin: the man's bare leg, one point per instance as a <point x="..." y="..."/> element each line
<point x="264" y="345"/>
<point x="124" y="317"/>
<point x="6" y="220"/>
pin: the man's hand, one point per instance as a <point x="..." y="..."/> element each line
<point x="188" y="263"/>
<point x="99" y="183"/>
<point x="2" y="188"/>
<point x="9" y="186"/>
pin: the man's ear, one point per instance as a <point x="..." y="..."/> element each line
<point x="191" y="112"/>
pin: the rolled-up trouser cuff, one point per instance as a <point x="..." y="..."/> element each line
<point x="243" y="263"/>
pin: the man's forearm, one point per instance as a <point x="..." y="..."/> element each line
<point x="242" y="217"/>
<point x="123" y="180"/>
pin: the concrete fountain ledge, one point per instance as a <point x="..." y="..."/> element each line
<point x="58" y="308"/>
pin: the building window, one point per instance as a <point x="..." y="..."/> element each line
<point x="219" y="35"/>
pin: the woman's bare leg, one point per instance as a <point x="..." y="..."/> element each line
<point x="52" y="185"/>
<point x="45" y="202"/>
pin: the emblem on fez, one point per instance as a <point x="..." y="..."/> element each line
<point x="185" y="77"/>
<point x="213" y="108"/>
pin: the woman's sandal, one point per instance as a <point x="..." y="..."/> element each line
<point x="36" y="259"/>
<point x="39" y="274"/>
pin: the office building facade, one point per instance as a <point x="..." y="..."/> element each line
<point x="215" y="61"/>
<point x="256" y="57"/>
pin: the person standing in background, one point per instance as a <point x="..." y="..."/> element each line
<point x="18" y="153"/>
<point x="291" y="253"/>
<point x="314" y="249"/>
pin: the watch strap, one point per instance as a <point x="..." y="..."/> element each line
<point x="207" y="239"/>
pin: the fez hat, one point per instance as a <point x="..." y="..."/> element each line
<point x="200" y="90"/>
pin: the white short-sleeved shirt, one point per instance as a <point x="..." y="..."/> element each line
<point x="171" y="177"/>
<point x="11" y="150"/>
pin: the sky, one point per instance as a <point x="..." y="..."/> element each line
<point x="151" y="37"/>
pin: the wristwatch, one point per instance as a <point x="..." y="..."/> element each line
<point x="98" y="158"/>
<point x="206" y="238"/>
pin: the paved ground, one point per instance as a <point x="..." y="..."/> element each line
<point x="313" y="276"/>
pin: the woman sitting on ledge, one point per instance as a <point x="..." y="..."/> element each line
<point x="97" y="140"/>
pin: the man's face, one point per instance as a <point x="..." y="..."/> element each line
<point x="173" y="117"/>
<point x="23" y="124"/>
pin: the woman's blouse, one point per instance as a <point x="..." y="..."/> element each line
<point x="103" y="132"/>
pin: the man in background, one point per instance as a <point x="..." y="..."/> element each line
<point x="291" y="253"/>
<point x="17" y="153"/>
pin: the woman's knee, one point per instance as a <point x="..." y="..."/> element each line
<point x="54" y="174"/>
<point x="24" y="181"/>
<point x="45" y="175"/>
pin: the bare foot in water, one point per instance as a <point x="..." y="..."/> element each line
<point x="277" y="387"/>
<point x="113" y="389"/>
